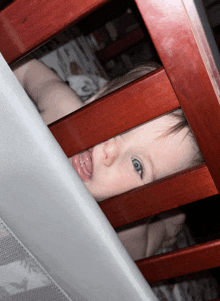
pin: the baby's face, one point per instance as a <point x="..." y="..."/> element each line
<point x="134" y="158"/>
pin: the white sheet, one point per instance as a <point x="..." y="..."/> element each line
<point x="46" y="205"/>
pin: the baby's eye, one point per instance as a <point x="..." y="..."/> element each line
<point x="137" y="166"/>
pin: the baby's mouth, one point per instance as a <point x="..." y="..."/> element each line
<point x="83" y="164"/>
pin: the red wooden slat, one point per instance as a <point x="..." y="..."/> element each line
<point x="26" y="24"/>
<point x="177" y="190"/>
<point x="141" y="101"/>
<point x="181" y="262"/>
<point x="177" y="48"/>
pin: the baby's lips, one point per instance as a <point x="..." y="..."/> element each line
<point x="82" y="163"/>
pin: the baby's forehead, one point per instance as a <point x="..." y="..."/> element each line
<point x="173" y="123"/>
<point x="168" y="119"/>
<point x="172" y="149"/>
<point x="160" y="127"/>
<point x="168" y="130"/>
<point x="163" y="123"/>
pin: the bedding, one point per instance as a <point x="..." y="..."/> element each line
<point x="72" y="57"/>
<point x="21" y="277"/>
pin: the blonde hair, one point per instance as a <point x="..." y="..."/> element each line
<point x="119" y="82"/>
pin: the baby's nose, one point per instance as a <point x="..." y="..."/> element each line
<point x="111" y="152"/>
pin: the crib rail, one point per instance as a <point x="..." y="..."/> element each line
<point x="22" y="28"/>
<point x="188" y="79"/>
<point x="187" y="69"/>
<point x="76" y="132"/>
<point x="116" y="113"/>
<point x="181" y="262"/>
<point x="180" y="189"/>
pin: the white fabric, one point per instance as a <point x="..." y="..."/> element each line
<point x="46" y="205"/>
<point x="85" y="86"/>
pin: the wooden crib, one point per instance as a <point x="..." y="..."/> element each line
<point x="189" y="78"/>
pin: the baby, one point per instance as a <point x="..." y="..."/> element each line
<point x="149" y="152"/>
